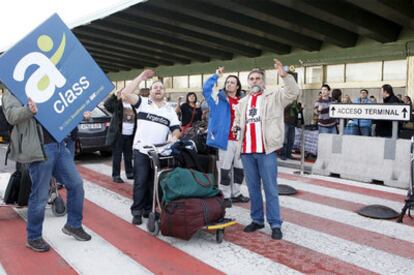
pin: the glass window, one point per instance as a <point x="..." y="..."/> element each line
<point x="147" y="83"/>
<point x="243" y="80"/>
<point x="180" y="82"/>
<point x="96" y="112"/>
<point x="335" y="73"/>
<point x="167" y="82"/>
<point x="395" y="70"/>
<point x="195" y="81"/>
<point x="120" y="85"/>
<point x="370" y="71"/>
<point x="271" y="77"/>
<point x="301" y="73"/>
<point x="314" y="74"/>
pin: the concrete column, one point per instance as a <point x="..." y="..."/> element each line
<point x="410" y="76"/>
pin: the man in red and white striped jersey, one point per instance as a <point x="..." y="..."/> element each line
<point x="259" y="117"/>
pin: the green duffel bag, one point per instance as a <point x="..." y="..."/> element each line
<point x="183" y="183"/>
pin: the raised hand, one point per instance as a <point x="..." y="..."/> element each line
<point x="87" y="115"/>
<point x="32" y="106"/>
<point x="220" y="71"/>
<point x="279" y="67"/>
<point x="146" y="74"/>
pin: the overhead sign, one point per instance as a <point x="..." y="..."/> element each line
<point x="52" y="68"/>
<point x="397" y="112"/>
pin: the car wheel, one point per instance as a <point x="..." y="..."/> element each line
<point x="105" y="153"/>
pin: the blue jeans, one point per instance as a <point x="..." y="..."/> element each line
<point x="327" y="130"/>
<point x="143" y="184"/>
<point x="59" y="163"/>
<point x="71" y="145"/>
<point x="262" y="168"/>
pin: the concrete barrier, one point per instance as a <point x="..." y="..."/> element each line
<point x="365" y="159"/>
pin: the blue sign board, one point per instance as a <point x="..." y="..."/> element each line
<point x="52" y="68"/>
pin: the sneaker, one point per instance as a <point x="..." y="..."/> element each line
<point x="130" y="176"/>
<point x="227" y="203"/>
<point x="117" y="180"/>
<point x="240" y="198"/>
<point x="146" y="214"/>
<point x="253" y="227"/>
<point x="282" y="157"/>
<point x="277" y="234"/>
<point x="38" y="245"/>
<point x="77" y="233"/>
<point x="137" y="220"/>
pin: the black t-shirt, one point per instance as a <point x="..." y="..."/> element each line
<point x="47" y="138"/>
<point x="187" y="113"/>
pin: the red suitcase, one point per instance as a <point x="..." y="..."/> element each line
<point x="182" y="218"/>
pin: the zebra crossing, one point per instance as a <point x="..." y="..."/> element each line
<point x="322" y="234"/>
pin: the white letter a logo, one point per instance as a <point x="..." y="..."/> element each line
<point x="42" y="83"/>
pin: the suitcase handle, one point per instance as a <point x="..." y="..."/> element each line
<point x="170" y="208"/>
<point x="199" y="181"/>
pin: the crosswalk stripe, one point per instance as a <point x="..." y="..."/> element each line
<point x="321" y="234"/>
<point x="289" y="250"/>
<point x="86" y="257"/>
<point x="378" y="187"/>
<point x="335" y="193"/>
<point x="227" y="257"/>
<point x="345" y="187"/>
<point x="390" y="229"/>
<point x="2" y="271"/>
<point x="354" y="253"/>
<point x="16" y="258"/>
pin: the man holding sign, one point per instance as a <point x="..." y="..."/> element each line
<point x="30" y="143"/>
<point x="51" y="81"/>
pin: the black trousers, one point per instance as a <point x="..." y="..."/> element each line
<point x="122" y="146"/>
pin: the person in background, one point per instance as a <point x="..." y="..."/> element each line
<point x="384" y="127"/>
<point x="120" y="135"/>
<point x="373" y="99"/>
<point x="291" y="114"/>
<point x="326" y="124"/>
<point x="337" y="95"/>
<point x="259" y="118"/>
<point x="222" y="113"/>
<point x="399" y="96"/>
<point x="144" y="92"/>
<point x="189" y="111"/>
<point x="156" y="119"/>
<point x="363" y="125"/>
<point x="407" y="100"/>
<point x="315" y="114"/>
<point x="410" y="124"/>
<point x="346" y="99"/>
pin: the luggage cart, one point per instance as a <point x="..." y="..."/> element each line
<point x="409" y="201"/>
<point x="163" y="164"/>
<point x="56" y="202"/>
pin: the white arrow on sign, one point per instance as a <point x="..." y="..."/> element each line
<point x="396" y="112"/>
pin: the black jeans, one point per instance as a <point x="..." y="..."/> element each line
<point x="143" y="184"/>
<point x="122" y="145"/>
<point x="289" y="140"/>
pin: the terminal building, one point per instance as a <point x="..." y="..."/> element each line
<point x="349" y="44"/>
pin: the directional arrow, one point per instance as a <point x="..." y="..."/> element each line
<point x="333" y="110"/>
<point x="404" y="111"/>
